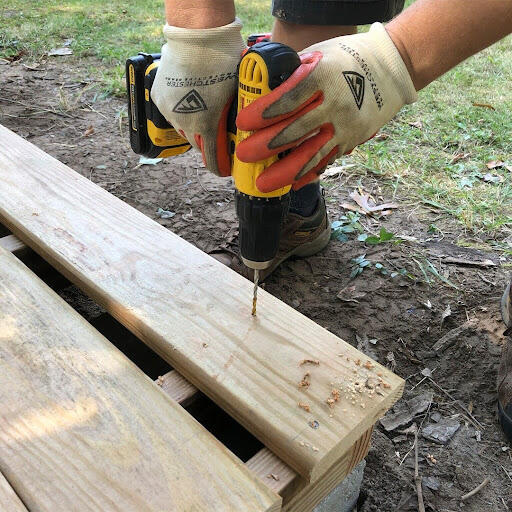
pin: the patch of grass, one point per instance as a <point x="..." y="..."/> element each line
<point x="441" y="162"/>
<point x="109" y="31"/>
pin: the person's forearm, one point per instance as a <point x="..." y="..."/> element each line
<point x="301" y="36"/>
<point x="433" y="36"/>
<point x="199" y="13"/>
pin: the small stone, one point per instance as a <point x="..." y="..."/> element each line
<point x="431" y="482"/>
<point x="441" y="432"/>
<point x="435" y="416"/>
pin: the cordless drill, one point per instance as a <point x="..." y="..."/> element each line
<point x="263" y="67"/>
<point x="260" y="215"/>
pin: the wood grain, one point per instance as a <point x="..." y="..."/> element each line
<point x="309" y="495"/>
<point x="13" y="244"/>
<point x="82" y="428"/>
<point x="178" y="388"/>
<point x="193" y="311"/>
<point x="267" y="466"/>
<point x="9" y="500"/>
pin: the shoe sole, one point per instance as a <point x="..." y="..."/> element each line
<point x="505" y="421"/>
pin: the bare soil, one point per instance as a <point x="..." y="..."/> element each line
<point x="395" y="320"/>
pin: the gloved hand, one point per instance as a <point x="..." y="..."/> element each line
<point x="195" y="84"/>
<point x="345" y="89"/>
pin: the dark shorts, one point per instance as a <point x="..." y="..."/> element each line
<point x="336" y="12"/>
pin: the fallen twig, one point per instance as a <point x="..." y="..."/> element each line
<point x="475" y="422"/>
<point x="470" y="263"/>
<point x="475" y="490"/>
<point x="417" y="477"/>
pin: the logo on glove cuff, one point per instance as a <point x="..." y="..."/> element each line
<point x="190" y="103"/>
<point x="356" y="83"/>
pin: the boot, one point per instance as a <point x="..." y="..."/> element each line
<point x="505" y="369"/>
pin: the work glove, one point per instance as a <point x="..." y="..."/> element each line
<point x="195" y="84"/>
<point x="345" y="89"/>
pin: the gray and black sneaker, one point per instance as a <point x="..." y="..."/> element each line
<point x="300" y="237"/>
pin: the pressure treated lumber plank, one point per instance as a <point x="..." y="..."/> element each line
<point x="193" y="311"/>
<point x="273" y="472"/>
<point x="9" y="500"/>
<point x="82" y="428"/>
<point x="13" y="244"/>
<point x="178" y="388"/>
<point x="264" y="464"/>
<point x="307" y="497"/>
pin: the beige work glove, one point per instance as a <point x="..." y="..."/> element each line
<point x="343" y="92"/>
<point x="195" y="84"/>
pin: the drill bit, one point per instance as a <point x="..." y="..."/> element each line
<point x="255" y="291"/>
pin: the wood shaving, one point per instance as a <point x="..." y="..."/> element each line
<point x="335" y="394"/>
<point x="386" y="385"/>
<point x="309" y="361"/>
<point x="371" y="383"/>
<point x="304" y="406"/>
<point x="358" y="362"/>
<point x="274" y="476"/>
<point x="330" y="402"/>
<point x="431" y="458"/>
<point x="205" y="345"/>
<point x="314" y="448"/>
<point x="305" y="382"/>
<point x="368" y="365"/>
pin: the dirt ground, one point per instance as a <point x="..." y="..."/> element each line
<point x="395" y="320"/>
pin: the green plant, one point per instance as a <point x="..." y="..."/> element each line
<point x="384" y="236"/>
<point x="358" y="265"/>
<point x="346" y="225"/>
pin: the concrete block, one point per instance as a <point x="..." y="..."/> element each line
<point x="344" y="497"/>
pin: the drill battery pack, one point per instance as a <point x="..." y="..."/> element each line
<point x="150" y="133"/>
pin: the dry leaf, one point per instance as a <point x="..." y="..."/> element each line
<point x="493" y="164"/>
<point x="353" y="208"/>
<point x="89" y="131"/>
<point x="59" y="52"/>
<point x="459" y="156"/>
<point x="483" y="105"/>
<point x="446" y="313"/>
<point x="416" y="124"/>
<point x="493" y="178"/>
<point x="381" y="136"/>
<point x="368" y="206"/>
<point x="336" y="170"/>
<point x="17" y="56"/>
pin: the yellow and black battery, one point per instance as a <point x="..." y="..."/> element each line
<point x="150" y="133"/>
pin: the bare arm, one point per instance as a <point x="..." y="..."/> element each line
<point x="433" y="36"/>
<point x="199" y="13"/>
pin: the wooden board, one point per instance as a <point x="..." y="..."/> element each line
<point x="82" y="428"/>
<point x="13" y="244"/>
<point x="194" y="312"/>
<point x="265" y="465"/>
<point x="307" y="496"/>
<point x="9" y="500"/>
